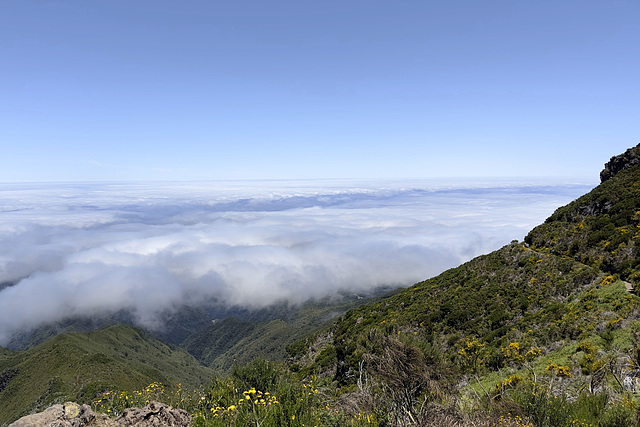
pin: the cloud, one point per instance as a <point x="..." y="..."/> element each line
<point x="148" y="249"/>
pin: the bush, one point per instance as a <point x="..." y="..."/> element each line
<point x="259" y="374"/>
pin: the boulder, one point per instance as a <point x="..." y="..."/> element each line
<point x="74" y="415"/>
<point x="154" y="414"/>
<point x="68" y="415"/>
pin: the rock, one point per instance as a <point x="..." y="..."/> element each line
<point x="74" y="415"/>
<point x="598" y="207"/>
<point x="6" y="376"/>
<point x="154" y="414"/>
<point x="68" y="415"/>
<point x="626" y="160"/>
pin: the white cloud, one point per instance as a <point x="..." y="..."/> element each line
<point x="98" y="248"/>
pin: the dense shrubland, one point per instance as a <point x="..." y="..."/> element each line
<point x="543" y="371"/>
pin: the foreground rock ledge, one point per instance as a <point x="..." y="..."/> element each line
<point x="74" y="415"/>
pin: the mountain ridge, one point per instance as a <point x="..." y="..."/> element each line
<point x="558" y="295"/>
<point x="77" y="366"/>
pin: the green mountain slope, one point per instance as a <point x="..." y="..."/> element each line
<point x="178" y="326"/>
<point x="77" y="366"/>
<point x="550" y="310"/>
<point x="266" y="333"/>
<point x="515" y="292"/>
<point x="601" y="228"/>
<point x="4" y="353"/>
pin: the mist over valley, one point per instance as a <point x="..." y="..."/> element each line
<point x="91" y="250"/>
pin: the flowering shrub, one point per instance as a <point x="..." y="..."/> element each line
<point x="227" y="402"/>
<point x="114" y="403"/>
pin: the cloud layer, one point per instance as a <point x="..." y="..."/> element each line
<point x="93" y="249"/>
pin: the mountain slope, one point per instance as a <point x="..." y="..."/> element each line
<point x="78" y="366"/>
<point x="514" y="292"/>
<point x="551" y="309"/>
<point x="4" y="353"/>
<point x="601" y="228"/>
<point x="266" y="333"/>
<point x="178" y="326"/>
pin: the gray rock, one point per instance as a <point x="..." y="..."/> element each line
<point x="626" y="160"/>
<point x="68" y="415"/>
<point x="6" y="376"/>
<point x="154" y="414"/>
<point x="74" y="415"/>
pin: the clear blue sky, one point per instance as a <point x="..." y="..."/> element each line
<point x="250" y="89"/>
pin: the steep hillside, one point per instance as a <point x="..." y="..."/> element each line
<point x="4" y="353"/>
<point x="513" y="293"/>
<point x="551" y="310"/>
<point x="178" y="326"/>
<point x="266" y="333"/>
<point x="78" y="366"/>
<point x="600" y="229"/>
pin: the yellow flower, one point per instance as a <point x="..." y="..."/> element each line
<point x="231" y="408"/>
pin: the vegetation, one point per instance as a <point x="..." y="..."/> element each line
<point x="599" y="229"/>
<point x="80" y="366"/>
<point x="539" y="333"/>
<point x="266" y="333"/>
<point x="239" y="400"/>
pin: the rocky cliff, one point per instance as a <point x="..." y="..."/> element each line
<point x="626" y="160"/>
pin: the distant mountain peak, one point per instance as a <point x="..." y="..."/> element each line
<point x="623" y="161"/>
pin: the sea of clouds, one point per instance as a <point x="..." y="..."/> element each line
<point x="94" y="249"/>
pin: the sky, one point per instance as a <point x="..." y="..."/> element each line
<point x="95" y="249"/>
<point x="163" y="90"/>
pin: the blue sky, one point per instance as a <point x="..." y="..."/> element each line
<point x="106" y="90"/>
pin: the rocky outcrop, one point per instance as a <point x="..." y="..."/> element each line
<point x="154" y="414"/>
<point x="74" y="415"/>
<point x="626" y="160"/>
<point x="6" y="376"/>
<point x="68" y="415"/>
<point x="598" y="207"/>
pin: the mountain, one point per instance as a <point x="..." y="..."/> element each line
<point x="81" y="366"/>
<point x="78" y="366"/>
<point x="556" y="309"/>
<point x="220" y="336"/>
<point x="544" y="332"/>
<point x="178" y="326"/>
<point x="600" y="229"/>
<point x="266" y="333"/>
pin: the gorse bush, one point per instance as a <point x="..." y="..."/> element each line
<point x="235" y="401"/>
<point x="546" y="409"/>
